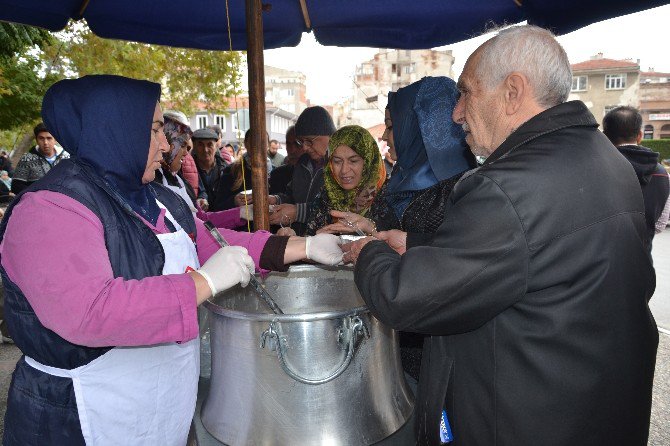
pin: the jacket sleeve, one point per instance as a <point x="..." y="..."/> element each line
<point x="474" y="268"/>
<point x="54" y="251"/>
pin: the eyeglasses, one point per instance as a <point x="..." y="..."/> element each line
<point x="307" y="142"/>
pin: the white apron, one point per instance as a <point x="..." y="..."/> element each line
<point x="140" y="395"/>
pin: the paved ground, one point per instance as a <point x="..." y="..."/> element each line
<point x="660" y="304"/>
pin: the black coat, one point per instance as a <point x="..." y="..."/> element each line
<point x="535" y="291"/>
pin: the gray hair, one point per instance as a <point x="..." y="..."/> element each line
<point x="533" y="51"/>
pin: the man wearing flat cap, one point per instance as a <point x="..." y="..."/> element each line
<point x="210" y="166"/>
<point x="313" y="130"/>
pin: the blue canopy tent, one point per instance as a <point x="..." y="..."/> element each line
<point x="399" y="24"/>
<point x="204" y="24"/>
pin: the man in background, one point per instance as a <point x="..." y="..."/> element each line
<point x="38" y="161"/>
<point x="313" y="130"/>
<point x="276" y="158"/>
<point x="623" y="127"/>
<point x="282" y="175"/>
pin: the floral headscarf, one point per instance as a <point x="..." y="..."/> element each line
<point x="359" y="199"/>
<point x="177" y="132"/>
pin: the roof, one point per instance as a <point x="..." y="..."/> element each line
<point x="604" y="64"/>
<point x="653" y="74"/>
<point x="399" y="24"/>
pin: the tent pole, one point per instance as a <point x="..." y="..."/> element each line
<point x="259" y="139"/>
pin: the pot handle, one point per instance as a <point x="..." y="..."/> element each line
<point x="353" y="327"/>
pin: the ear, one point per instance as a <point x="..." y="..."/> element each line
<point x="516" y="90"/>
<point x="639" y="137"/>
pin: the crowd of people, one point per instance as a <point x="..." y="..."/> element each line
<point x="520" y="283"/>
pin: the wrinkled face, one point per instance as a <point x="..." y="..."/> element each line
<point x="205" y="149"/>
<point x="388" y="135"/>
<point x="347" y="167"/>
<point x="478" y="110"/>
<point x="46" y="144"/>
<point x="315" y="146"/>
<point x="175" y="165"/>
<point x="158" y="145"/>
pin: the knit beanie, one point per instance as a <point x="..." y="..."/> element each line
<point x="314" y="121"/>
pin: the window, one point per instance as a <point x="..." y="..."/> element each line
<point x="648" y="132"/>
<point x="288" y="92"/>
<point x="202" y="121"/>
<point x="220" y="120"/>
<point x="579" y="83"/>
<point x="615" y="81"/>
<point x="410" y="68"/>
<point x="665" y="131"/>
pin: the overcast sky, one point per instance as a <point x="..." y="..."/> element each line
<point x="329" y="70"/>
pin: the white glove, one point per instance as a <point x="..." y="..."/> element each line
<point x="226" y="268"/>
<point x="247" y="213"/>
<point x="324" y="248"/>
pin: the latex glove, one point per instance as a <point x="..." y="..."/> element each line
<point x="226" y="268"/>
<point x="324" y="248"/>
<point x="247" y="213"/>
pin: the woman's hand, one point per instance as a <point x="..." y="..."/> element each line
<point x="283" y="214"/>
<point x="239" y="199"/>
<point x="204" y="205"/>
<point x="348" y="223"/>
<point x="287" y="231"/>
<point x="226" y="268"/>
<point x="324" y="248"/>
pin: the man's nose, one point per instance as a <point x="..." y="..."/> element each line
<point x="459" y="112"/>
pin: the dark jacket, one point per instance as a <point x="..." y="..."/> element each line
<point x="216" y="195"/>
<point x="653" y="179"/>
<point x="280" y="177"/>
<point x="31" y="167"/>
<point x="302" y="190"/>
<point x="535" y="291"/>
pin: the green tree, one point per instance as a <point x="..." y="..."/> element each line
<point x="21" y="85"/>
<point x="187" y="76"/>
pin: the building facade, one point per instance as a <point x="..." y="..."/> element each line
<point x="389" y="70"/>
<point x="235" y="121"/>
<point x="655" y="104"/>
<point x="603" y="84"/>
<point x="285" y="89"/>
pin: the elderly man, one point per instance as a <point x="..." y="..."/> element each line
<point x="210" y="168"/>
<point x="535" y="287"/>
<point x="312" y="129"/>
<point x="39" y="160"/>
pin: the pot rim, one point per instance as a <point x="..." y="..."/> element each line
<point x="296" y="317"/>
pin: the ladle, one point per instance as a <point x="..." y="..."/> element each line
<point x="257" y="286"/>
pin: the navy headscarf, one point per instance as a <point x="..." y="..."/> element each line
<point x="429" y="145"/>
<point x="104" y="122"/>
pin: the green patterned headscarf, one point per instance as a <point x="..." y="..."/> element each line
<point x="359" y="199"/>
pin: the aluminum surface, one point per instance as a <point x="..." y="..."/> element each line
<point x="350" y="396"/>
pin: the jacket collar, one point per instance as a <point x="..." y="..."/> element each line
<point x="567" y="114"/>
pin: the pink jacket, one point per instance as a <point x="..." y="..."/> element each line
<point x="190" y="172"/>
<point x="60" y="262"/>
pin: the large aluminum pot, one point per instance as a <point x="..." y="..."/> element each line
<point x="324" y="373"/>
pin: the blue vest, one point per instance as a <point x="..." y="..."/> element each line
<point x="134" y="253"/>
